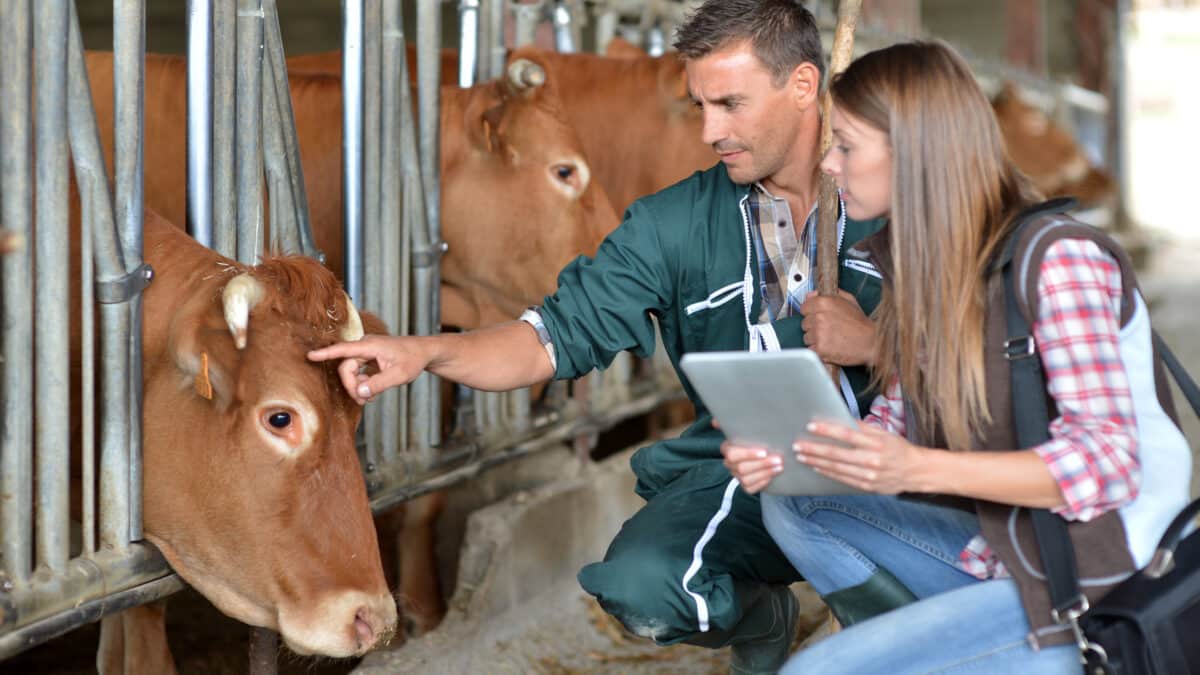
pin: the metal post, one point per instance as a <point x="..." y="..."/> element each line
<point x="375" y="280"/>
<point x="564" y="34"/>
<point x="129" y="49"/>
<point x="224" y="126"/>
<point x="249" y="131"/>
<point x="96" y="207"/>
<point x="199" y="120"/>
<point x="352" y="140"/>
<point x="606" y="27"/>
<point x="16" y="212"/>
<point x="281" y="92"/>
<point x="468" y="36"/>
<point x="526" y="17"/>
<point x="52" y="393"/>
<point x="429" y="73"/>
<point x="497" y="50"/>
<point x="392" y="79"/>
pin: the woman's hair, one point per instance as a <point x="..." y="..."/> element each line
<point x="954" y="193"/>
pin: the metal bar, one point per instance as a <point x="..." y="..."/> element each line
<point x="87" y="377"/>
<point x="52" y="359"/>
<point x="90" y="588"/>
<point x="426" y="238"/>
<point x="16" y="213"/>
<point x="264" y="645"/>
<point x="564" y="33"/>
<point x="373" y="137"/>
<point x="498" y="52"/>
<point x="291" y="144"/>
<point x="199" y="121"/>
<point x="92" y="176"/>
<point x="352" y="140"/>
<point x="224" y="126"/>
<point x="393" y="79"/>
<point x="526" y="17"/>
<point x="249" y="171"/>
<point x="129" y="50"/>
<point x="468" y="42"/>
<point x="284" y="226"/>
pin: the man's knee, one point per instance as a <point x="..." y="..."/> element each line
<point x="639" y="590"/>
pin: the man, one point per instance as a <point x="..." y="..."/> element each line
<point x="695" y="563"/>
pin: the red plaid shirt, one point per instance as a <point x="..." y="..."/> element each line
<point x="1092" y="451"/>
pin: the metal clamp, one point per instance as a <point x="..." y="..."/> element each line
<point x="123" y="289"/>
<point x="1019" y="348"/>
<point x="430" y="256"/>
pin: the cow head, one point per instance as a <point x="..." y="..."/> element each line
<point x="518" y="200"/>
<point x="1047" y="153"/>
<point x="254" y="491"/>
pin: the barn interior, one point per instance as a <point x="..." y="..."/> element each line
<point x="515" y="492"/>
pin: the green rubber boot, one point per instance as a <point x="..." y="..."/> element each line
<point x="881" y="593"/>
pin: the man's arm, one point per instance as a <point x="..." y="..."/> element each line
<point x="498" y="358"/>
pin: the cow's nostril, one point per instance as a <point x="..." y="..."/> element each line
<point x="363" y="630"/>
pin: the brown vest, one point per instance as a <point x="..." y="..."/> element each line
<point x="1101" y="551"/>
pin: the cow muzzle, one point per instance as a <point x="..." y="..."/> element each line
<point x="347" y="624"/>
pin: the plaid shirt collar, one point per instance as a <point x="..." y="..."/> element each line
<point x="786" y="264"/>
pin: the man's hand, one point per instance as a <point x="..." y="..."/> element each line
<point x="836" y="328"/>
<point x="399" y="360"/>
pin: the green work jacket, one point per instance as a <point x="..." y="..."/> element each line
<point x="674" y="257"/>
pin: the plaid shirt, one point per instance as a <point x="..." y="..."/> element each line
<point x="786" y="266"/>
<point x="1092" y="451"/>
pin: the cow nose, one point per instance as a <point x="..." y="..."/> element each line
<point x="373" y="628"/>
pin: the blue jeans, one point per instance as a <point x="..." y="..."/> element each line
<point x="959" y="625"/>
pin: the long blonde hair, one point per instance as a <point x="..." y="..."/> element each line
<point x="954" y="193"/>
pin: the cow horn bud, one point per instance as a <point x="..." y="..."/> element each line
<point x="353" y="330"/>
<point x="241" y="294"/>
<point x="525" y="74"/>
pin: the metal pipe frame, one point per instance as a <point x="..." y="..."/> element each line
<point x="526" y="17"/>
<point x="115" y="322"/>
<point x="199" y="121"/>
<point x="496" y="44"/>
<point x="564" y="30"/>
<point x="426" y="279"/>
<point x="224" y="127"/>
<point x="291" y="143"/>
<point x="392" y="80"/>
<point x="16" y="212"/>
<point x="129" y="49"/>
<point x="468" y="42"/>
<point x="52" y="357"/>
<point x="88" y="588"/>
<point x="249" y="171"/>
<point x="374" y="258"/>
<point x="352" y="144"/>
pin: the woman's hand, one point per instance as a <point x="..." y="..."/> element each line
<point x="753" y="467"/>
<point x="877" y="461"/>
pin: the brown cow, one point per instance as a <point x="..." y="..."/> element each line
<point x="1048" y="154"/>
<point x="517" y="199"/>
<point x="252" y="485"/>
<point x="636" y="122"/>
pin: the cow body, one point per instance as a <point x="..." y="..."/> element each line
<point x="252" y="487"/>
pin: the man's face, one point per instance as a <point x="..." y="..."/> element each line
<point x="751" y="123"/>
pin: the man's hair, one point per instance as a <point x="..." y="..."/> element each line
<point x="782" y="33"/>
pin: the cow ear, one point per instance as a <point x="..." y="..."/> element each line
<point x="205" y="354"/>
<point x="372" y="325"/>
<point x="672" y="80"/>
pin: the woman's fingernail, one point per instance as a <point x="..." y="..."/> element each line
<point x="812" y="426"/>
<point x="759" y="454"/>
<point x="364" y="391"/>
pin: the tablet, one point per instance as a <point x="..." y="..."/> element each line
<point x="767" y="399"/>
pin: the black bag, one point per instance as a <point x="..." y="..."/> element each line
<point x="1149" y="624"/>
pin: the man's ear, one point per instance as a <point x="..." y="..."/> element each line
<point x="805" y="82"/>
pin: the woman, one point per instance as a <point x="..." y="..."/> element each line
<point x="915" y="140"/>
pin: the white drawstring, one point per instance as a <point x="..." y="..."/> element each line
<point x="717" y="298"/>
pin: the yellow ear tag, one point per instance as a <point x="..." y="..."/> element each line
<point x="203" y="384"/>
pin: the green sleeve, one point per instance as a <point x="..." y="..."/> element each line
<point x="602" y="305"/>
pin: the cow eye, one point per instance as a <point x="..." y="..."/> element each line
<point x="564" y="172"/>
<point x="279" y="420"/>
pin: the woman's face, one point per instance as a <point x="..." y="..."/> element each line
<point x="860" y="161"/>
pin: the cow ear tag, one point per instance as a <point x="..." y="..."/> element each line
<point x="203" y="384"/>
